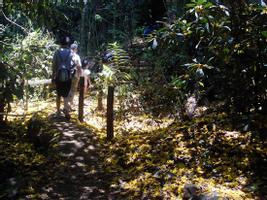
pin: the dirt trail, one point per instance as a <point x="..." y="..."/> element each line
<point x="83" y="177"/>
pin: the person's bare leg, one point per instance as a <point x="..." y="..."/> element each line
<point x="66" y="109"/>
<point x="73" y="90"/>
<point x="58" y="105"/>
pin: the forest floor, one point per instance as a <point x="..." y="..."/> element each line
<point x="149" y="158"/>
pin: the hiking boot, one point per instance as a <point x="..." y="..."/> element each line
<point x="58" y="114"/>
<point x="67" y="115"/>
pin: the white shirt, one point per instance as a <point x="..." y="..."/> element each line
<point x="76" y="60"/>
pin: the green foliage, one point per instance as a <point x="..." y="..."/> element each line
<point x="116" y="72"/>
<point x="213" y="46"/>
<point x="113" y="72"/>
<point x="107" y="22"/>
<point x="33" y="55"/>
<point x="24" y="58"/>
<point x="57" y="16"/>
<point x="120" y="63"/>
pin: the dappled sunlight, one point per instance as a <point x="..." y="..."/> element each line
<point x="170" y="100"/>
<point x="165" y="160"/>
<point x="83" y="162"/>
<point x="149" y="157"/>
<point x="77" y="170"/>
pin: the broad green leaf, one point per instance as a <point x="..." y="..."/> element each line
<point x="264" y="33"/>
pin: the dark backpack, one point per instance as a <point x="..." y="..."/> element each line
<point x="64" y="66"/>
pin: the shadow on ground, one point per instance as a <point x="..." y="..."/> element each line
<point x="80" y="174"/>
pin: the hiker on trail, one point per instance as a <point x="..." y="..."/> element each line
<point x="87" y="65"/>
<point x="76" y="71"/>
<point x="61" y="76"/>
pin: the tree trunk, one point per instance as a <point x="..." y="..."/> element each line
<point x="180" y="4"/>
<point x="83" y="34"/>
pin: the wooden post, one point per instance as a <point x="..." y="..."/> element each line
<point x="26" y="106"/>
<point x="99" y="100"/>
<point x="110" y="102"/>
<point x="2" y="109"/>
<point x="81" y="99"/>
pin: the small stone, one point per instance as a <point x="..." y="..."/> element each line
<point x="190" y="192"/>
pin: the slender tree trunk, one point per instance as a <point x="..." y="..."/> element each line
<point x="114" y="21"/>
<point x="180" y="4"/>
<point x="83" y="34"/>
<point x="259" y="66"/>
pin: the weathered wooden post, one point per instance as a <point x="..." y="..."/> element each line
<point x="100" y="95"/>
<point x="2" y="110"/>
<point x="26" y="106"/>
<point x="110" y="102"/>
<point x="81" y="99"/>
